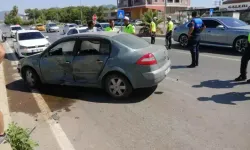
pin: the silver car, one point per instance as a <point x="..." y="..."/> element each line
<point x="116" y="62"/>
<point x="52" y="27"/>
<point x="221" y="32"/>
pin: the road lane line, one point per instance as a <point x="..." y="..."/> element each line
<point x="61" y="137"/>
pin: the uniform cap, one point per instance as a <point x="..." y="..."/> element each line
<point x="126" y="18"/>
<point x="169" y="17"/>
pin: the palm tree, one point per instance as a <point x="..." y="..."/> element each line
<point x="147" y="17"/>
<point x="14" y="11"/>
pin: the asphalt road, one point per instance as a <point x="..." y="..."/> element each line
<point x="200" y="108"/>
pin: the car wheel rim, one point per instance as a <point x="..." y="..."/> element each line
<point x="241" y="45"/>
<point x="117" y="87"/>
<point x="30" y="78"/>
<point x="183" y="41"/>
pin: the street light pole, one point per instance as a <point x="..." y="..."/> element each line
<point x="81" y="9"/>
<point x="165" y="11"/>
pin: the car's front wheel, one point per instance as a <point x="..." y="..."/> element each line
<point x="241" y="44"/>
<point x="118" y="86"/>
<point x="31" y="77"/>
<point x="183" y="40"/>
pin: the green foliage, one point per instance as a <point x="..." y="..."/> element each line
<point x="150" y="15"/>
<point x="12" y="17"/>
<point x="19" y="138"/>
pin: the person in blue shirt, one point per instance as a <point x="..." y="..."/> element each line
<point x="196" y="26"/>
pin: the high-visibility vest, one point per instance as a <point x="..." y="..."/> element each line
<point x="130" y="29"/>
<point x="153" y="27"/>
<point x="110" y="29"/>
<point x="249" y="38"/>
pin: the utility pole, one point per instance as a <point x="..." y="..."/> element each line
<point x="165" y="11"/>
<point x="81" y="10"/>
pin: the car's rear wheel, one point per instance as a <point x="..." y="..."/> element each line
<point x="183" y="40"/>
<point x="118" y="86"/>
<point x="31" y="77"/>
<point x="241" y="44"/>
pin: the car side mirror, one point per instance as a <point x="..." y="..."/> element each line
<point x="220" y="27"/>
<point x="47" y="37"/>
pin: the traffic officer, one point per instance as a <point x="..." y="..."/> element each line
<point x="111" y="26"/>
<point x="170" y="27"/>
<point x="196" y="26"/>
<point x="244" y="61"/>
<point x="129" y="28"/>
<point x="153" y="30"/>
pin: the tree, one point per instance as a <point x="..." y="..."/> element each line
<point x="12" y="17"/>
<point x="14" y="11"/>
<point x="149" y="15"/>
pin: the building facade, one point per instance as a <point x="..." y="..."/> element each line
<point x="135" y="8"/>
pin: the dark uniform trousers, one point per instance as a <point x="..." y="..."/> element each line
<point x="169" y="39"/>
<point x="244" y="62"/>
<point x="153" y="37"/>
<point x="194" y="42"/>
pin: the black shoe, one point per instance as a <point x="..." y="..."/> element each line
<point x="191" y="66"/>
<point x="241" y="78"/>
<point x="248" y="81"/>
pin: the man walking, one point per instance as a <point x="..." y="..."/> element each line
<point x="152" y="31"/>
<point x="129" y="28"/>
<point x="2" y="134"/>
<point x="196" y="26"/>
<point x="170" y="27"/>
<point x="244" y="62"/>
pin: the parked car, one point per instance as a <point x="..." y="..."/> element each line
<point x="102" y="26"/>
<point x="117" y="62"/>
<point x="67" y="27"/>
<point x="29" y="42"/>
<point x="40" y="27"/>
<point x="76" y="30"/>
<point x="14" y="29"/>
<point x="52" y="27"/>
<point x="220" y="32"/>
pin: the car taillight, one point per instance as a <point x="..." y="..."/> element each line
<point x="148" y="59"/>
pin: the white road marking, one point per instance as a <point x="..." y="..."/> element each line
<point x="55" y="127"/>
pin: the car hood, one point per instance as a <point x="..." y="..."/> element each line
<point x="241" y="28"/>
<point x="34" y="42"/>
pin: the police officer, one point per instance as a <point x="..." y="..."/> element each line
<point x="170" y="27"/>
<point x="111" y="26"/>
<point x="129" y="28"/>
<point x="196" y="26"/>
<point x="244" y="61"/>
<point x="153" y="30"/>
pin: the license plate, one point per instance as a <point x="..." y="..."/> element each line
<point x="36" y="50"/>
<point x="167" y="71"/>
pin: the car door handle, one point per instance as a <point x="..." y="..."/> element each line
<point x="99" y="61"/>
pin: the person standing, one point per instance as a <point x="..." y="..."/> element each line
<point x="2" y="134"/>
<point x="91" y="27"/>
<point x="170" y="27"/>
<point x="152" y="31"/>
<point x="111" y="26"/>
<point x="244" y="62"/>
<point x="129" y="28"/>
<point x="196" y="26"/>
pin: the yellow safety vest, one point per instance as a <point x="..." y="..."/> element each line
<point x="249" y="37"/>
<point x="153" y="26"/>
<point x="170" y="26"/>
<point x="109" y="29"/>
<point x="130" y="29"/>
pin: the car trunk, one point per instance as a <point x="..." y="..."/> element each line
<point x="160" y="53"/>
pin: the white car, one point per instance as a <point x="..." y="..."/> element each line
<point x="67" y="27"/>
<point x="29" y="42"/>
<point x="76" y="30"/>
<point x="14" y="29"/>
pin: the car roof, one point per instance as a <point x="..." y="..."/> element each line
<point x="96" y="34"/>
<point x="15" y="26"/>
<point x="81" y="28"/>
<point x="27" y="31"/>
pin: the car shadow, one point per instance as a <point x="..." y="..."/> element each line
<point x="227" y="98"/>
<point x="81" y="93"/>
<point x="210" y="49"/>
<point x="219" y="84"/>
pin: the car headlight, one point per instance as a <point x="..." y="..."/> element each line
<point x="23" y="47"/>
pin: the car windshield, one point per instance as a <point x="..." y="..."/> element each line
<point x="30" y="36"/>
<point x="52" y="25"/>
<point x="232" y="22"/>
<point x="72" y="26"/>
<point x="131" y="41"/>
<point x="16" y="28"/>
<point x="105" y="25"/>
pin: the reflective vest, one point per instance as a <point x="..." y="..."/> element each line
<point x="153" y="26"/>
<point x="170" y="26"/>
<point x="249" y="38"/>
<point x="130" y="29"/>
<point x="110" y="29"/>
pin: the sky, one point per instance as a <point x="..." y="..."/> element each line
<point x="24" y="4"/>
